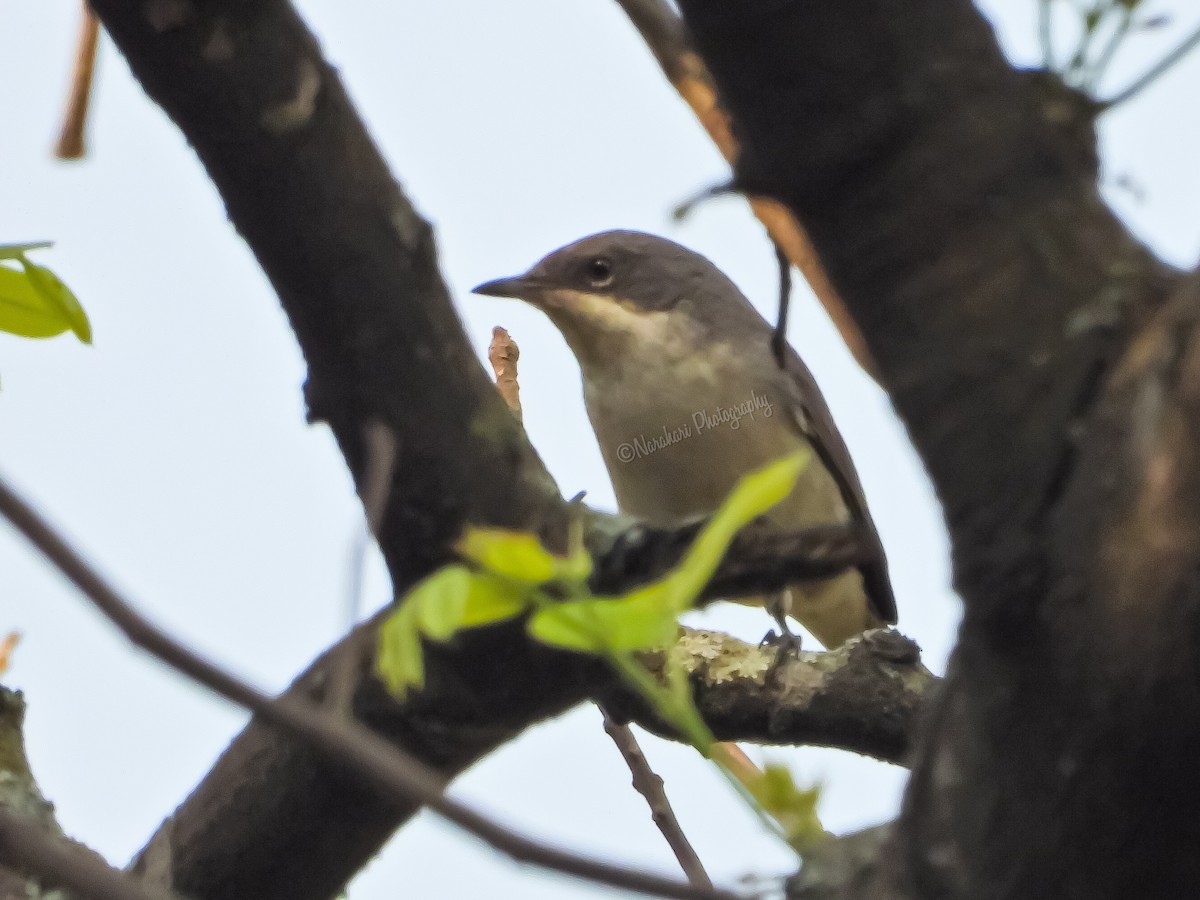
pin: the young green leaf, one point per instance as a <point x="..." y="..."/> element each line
<point x="438" y="601"/>
<point x="52" y="289"/>
<point x="599" y="625"/>
<point x="513" y="554"/>
<point x="26" y="311"/>
<point x="438" y="607"/>
<point x="792" y="807"/>
<point x="399" y="660"/>
<point x="492" y="599"/>
<point x="753" y="495"/>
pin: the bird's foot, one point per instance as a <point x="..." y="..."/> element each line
<point x="787" y="645"/>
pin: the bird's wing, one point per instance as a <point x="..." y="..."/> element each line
<point x="816" y="422"/>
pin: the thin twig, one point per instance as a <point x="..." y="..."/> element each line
<point x="1046" y="34"/>
<point x="1078" y="62"/>
<point x="1100" y="65"/>
<point x="32" y="848"/>
<point x="342" y="741"/>
<point x="667" y="38"/>
<point x="779" y="338"/>
<point x="1154" y="72"/>
<point x="649" y="784"/>
<point x="70" y="139"/>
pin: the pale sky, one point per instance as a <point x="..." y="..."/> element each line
<point x="174" y="451"/>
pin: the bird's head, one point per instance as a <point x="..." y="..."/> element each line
<point x="619" y="294"/>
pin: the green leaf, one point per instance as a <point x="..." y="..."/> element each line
<point x="26" y="311"/>
<point x="646" y="617"/>
<point x="514" y="554"/>
<point x="399" y="660"/>
<point x="53" y="290"/>
<point x="753" y="495"/>
<point x="576" y="568"/>
<point x="493" y="599"/>
<point x="793" y="807"/>
<point x="454" y="598"/>
<point x="438" y="607"/>
<point x="599" y="624"/>
<point x="438" y="601"/>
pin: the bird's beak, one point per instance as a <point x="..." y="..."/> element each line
<point x="522" y="287"/>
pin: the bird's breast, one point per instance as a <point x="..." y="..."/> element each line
<point x="675" y="444"/>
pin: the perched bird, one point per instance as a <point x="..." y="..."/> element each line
<point x="685" y="397"/>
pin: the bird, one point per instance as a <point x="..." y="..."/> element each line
<point x="685" y="397"/>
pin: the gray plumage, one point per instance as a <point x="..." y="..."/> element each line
<point x="685" y="397"/>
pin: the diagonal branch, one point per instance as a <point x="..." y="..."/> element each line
<point x="667" y="38"/>
<point x="345" y="742"/>
<point x="649" y="784"/>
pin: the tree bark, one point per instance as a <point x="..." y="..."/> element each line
<point x="1021" y="334"/>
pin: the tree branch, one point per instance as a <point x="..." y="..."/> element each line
<point x="649" y="784"/>
<point x="954" y="205"/>
<point x="667" y="38"/>
<point x="865" y="696"/>
<point x="343" y="741"/>
<point x="37" y="861"/>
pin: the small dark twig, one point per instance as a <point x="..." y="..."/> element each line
<point x="1152" y="75"/>
<point x="779" y="338"/>
<point x="1100" y="64"/>
<point x="1046" y="35"/>
<point x="28" y="847"/>
<point x="687" y="206"/>
<point x="342" y="741"/>
<point x="649" y="784"/>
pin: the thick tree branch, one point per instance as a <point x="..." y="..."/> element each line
<point x="990" y="293"/>
<point x="667" y="38"/>
<point x="353" y="263"/>
<point x="864" y="696"/>
<point x="953" y="203"/>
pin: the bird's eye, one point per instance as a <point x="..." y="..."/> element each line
<point x="599" y="272"/>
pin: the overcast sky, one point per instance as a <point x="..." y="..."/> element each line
<point x="174" y="451"/>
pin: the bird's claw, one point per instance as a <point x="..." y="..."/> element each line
<point x="786" y="644"/>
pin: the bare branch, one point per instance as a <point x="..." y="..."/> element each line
<point x="1155" y="72"/>
<point x="649" y="784"/>
<point x="997" y="298"/>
